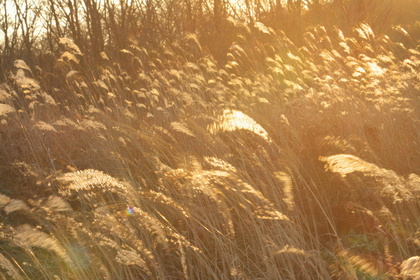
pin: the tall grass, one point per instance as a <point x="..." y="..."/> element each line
<point x="285" y="163"/>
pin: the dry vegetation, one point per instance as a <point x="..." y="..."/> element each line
<point x="270" y="159"/>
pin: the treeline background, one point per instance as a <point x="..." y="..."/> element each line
<point x="30" y="29"/>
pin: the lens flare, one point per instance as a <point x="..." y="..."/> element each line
<point x="129" y="211"/>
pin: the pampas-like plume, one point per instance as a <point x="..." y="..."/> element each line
<point x="69" y="57"/>
<point x="344" y="164"/>
<point x="392" y="185"/>
<point x="4" y="200"/>
<point x="182" y="128"/>
<point x="15" y="205"/>
<point x="93" y="186"/>
<point x="129" y="257"/>
<point x="11" y="205"/>
<point x="27" y="237"/>
<point x="217" y="163"/>
<point x="286" y="181"/>
<point x="68" y="45"/>
<point x="58" y="204"/>
<point x="233" y="120"/>
<point x="410" y="268"/>
<point x="6" y="110"/>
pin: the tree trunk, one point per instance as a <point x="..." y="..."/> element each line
<point x="218" y="15"/>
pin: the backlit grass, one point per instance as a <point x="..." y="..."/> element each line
<point x="286" y="162"/>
